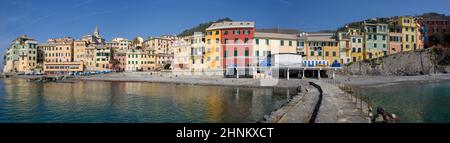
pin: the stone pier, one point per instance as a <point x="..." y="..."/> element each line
<point x="335" y="107"/>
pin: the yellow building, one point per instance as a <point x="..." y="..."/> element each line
<point x="58" y="50"/>
<point x="409" y="29"/>
<point x="322" y="47"/>
<point x="356" y="45"/>
<point x="212" y="50"/>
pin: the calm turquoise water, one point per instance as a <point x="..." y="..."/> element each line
<point x="413" y="102"/>
<point x="22" y="101"/>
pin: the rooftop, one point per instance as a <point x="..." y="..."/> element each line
<point x="322" y="37"/>
<point x="228" y="24"/>
<point x="276" y="35"/>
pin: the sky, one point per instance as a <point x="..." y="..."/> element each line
<point x="44" y="19"/>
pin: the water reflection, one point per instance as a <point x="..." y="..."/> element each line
<point x="22" y="101"/>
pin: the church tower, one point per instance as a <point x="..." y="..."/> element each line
<point x="96" y="32"/>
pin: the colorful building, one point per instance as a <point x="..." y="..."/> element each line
<point x="102" y="58"/>
<point x="213" y="44"/>
<point x="21" y="56"/>
<point x="433" y="24"/>
<point x="119" y="44"/>
<point x="182" y="55"/>
<point x="196" y="63"/>
<point x="375" y="40"/>
<point x="322" y="47"/>
<point x="409" y="35"/>
<point x="229" y="47"/>
<point x="267" y="44"/>
<point x="344" y="47"/>
<point x="395" y="37"/>
<point x="356" y="45"/>
<point x="159" y="49"/>
<point x="132" y="61"/>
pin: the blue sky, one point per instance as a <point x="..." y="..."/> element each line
<point x="43" y="19"/>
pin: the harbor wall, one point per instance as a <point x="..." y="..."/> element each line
<point x="421" y="62"/>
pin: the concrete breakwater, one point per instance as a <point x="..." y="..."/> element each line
<point x="320" y="102"/>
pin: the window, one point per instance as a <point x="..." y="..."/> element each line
<point x="209" y="41"/>
<point x="375" y="37"/>
<point x="225" y="41"/>
<point x="384" y="37"/>
<point x="375" y="45"/>
<point x="235" y="52"/>
<point x="354" y="40"/>
<point x="236" y="40"/>
<point x="290" y="43"/>
<point x="354" y="49"/>
<point x="257" y="41"/>
<point x="267" y="41"/>
<point x="210" y="33"/>
<point x="246" y="40"/>
<point x="312" y="53"/>
<point x="217" y="32"/>
<point x="217" y="41"/>
<point x="384" y="45"/>
<point x="407" y="37"/>
<point x="412" y="38"/>
<point x="359" y="50"/>
<point x="359" y="40"/>
<point x="319" y="53"/>
<point x="370" y="37"/>
<point x="327" y="53"/>
<point x="334" y="53"/>
<point x="236" y="32"/>
<point x="225" y="32"/>
<point x="246" y="53"/>
<point x="282" y="42"/>
<point x="257" y="53"/>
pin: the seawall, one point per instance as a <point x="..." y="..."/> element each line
<point x="419" y="62"/>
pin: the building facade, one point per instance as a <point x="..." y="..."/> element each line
<point x="182" y="55"/>
<point x="132" y="61"/>
<point x="409" y="35"/>
<point x="21" y="56"/>
<point x="356" y="45"/>
<point x="159" y="49"/>
<point x="212" y="50"/>
<point x="197" y="60"/>
<point x="433" y="25"/>
<point x="375" y="39"/>
<point x="322" y="47"/>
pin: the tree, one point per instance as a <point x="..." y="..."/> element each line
<point x="201" y="27"/>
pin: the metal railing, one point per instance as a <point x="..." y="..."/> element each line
<point x="363" y="103"/>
